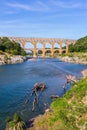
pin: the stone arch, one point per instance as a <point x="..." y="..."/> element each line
<point x="29" y="52"/>
<point x="39" y="52"/>
<point x="63" y="45"/>
<point x="39" y="45"/>
<point x="48" y="45"/>
<point x="29" y="45"/>
<point x="63" y="51"/>
<point x="56" y="45"/>
<point x="56" y="51"/>
<point x="48" y="52"/>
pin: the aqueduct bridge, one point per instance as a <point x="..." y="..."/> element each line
<point x="52" y="41"/>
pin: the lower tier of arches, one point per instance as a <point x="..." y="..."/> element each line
<point x="45" y="52"/>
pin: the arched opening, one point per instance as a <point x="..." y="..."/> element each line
<point x="64" y="51"/>
<point x="29" y="45"/>
<point x="39" y="45"/>
<point x="63" y="45"/>
<point x="39" y="53"/>
<point x="56" y="52"/>
<point x="48" y="46"/>
<point x="48" y="53"/>
<point x="29" y="53"/>
<point x="56" y="46"/>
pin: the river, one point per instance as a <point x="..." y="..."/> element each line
<point x="17" y="81"/>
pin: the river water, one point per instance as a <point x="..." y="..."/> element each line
<point x="17" y="81"/>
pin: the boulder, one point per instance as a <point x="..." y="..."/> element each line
<point x="84" y="73"/>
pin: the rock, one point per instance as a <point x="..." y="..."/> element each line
<point x="47" y="110"/>
<point x="54" y="96"/>
<point x="11" y="59"/>
<point x="84" y="73"/>
<point x="73" y="59"/>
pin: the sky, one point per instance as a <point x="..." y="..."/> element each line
<point x="43" y="18"/>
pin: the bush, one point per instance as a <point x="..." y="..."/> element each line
<point x="11" y="47"/>
<point x="79" y="46"/>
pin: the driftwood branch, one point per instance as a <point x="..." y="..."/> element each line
<point x="54" y="96"/>
<point x="70" y="79"/>
<point x="37" y="87"/>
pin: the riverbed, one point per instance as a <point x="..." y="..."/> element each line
<point x="17" y="81"/>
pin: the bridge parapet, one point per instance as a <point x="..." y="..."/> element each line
<point x="56" y="40"/>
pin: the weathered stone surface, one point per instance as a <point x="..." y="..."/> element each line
<point x="84" y="73"/>
<point x="6" y="59"/>
<point x="74" y="59"/>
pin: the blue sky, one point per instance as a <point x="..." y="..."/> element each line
<point x="43" y="18"/>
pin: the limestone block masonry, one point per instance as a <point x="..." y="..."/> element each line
<point x="44" y="41"/>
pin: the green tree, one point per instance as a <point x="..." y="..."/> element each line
<point x="12" y="47"/>
<point x="79" y="46"/>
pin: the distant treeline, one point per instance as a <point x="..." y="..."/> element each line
<point x="11" y="47"/>
<point x="79" y="46"/>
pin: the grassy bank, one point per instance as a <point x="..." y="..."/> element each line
<point x="66" y="113"/>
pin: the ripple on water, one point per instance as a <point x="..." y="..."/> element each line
<point x="16" y="83"/>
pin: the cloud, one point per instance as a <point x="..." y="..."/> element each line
<point x="38" y="6"/>
<point x="18" y="5"/>
<point x="43" y="6"/>
<point x="62" y="4"/>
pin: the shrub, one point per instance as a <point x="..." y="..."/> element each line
<point x="11" y="47"/>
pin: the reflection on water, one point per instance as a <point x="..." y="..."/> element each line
<point x="16" y="83"/>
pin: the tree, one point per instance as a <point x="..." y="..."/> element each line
<point x="79" y="46"/>
<point x="11" y="47"/>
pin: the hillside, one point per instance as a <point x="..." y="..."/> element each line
<point x="66" y="113"/>
<point x="79" y="46"/>
<point x="11" y="47"/>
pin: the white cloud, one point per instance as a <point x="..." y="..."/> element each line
<point x="38" y="6"/>
<point x="19" y="5"/>
<point x="46" y="6"/>
<point x="62" y="4"/>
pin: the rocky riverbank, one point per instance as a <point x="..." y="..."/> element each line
<point x="66" y="113"/>
<point x="11" y="59"/>
<point x="80" y="58"/>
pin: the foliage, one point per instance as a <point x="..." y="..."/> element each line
<point x="15" y="124"/>
<point x="17" y="118"/>
<point x="68" y="112"/>
<point x="8" y="119"/>
<point x="79" y="46"/>
<point x="12" y="47"/>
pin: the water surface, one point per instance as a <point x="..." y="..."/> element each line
<point x="17" y="81"/>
